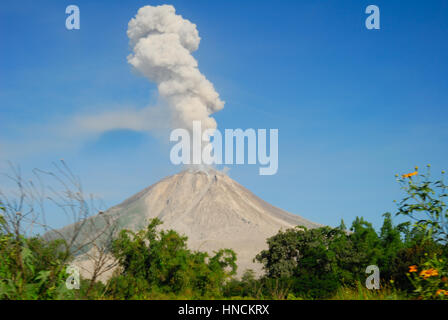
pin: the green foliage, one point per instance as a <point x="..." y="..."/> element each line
<point x="431" y="281"/>
<point x="307" y="258"/>
<point x="425" y="203"/>
<point x="32" y="268"/>
<point x="158" y="263"/>
<point x="248" y="286"/>
<point x="299" y="263"/>
<point x="251" y="288"/>
<point x="318" y="262"/>
<point x="360" y="292"/>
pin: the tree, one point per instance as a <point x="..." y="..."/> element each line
<point x="153" y="261"/>
<point x="306" y="257"/>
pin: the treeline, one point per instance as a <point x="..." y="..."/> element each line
<point x="299" y="263"/>
<point x="317" y="263"/>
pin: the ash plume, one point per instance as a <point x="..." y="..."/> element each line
<point x="162" y="43"/>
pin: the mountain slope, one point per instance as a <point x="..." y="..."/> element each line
<point x="210" y="208"/>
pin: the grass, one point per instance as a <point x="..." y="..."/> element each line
<point x="362" y="293"/>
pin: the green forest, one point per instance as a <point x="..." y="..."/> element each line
<point x="299" y="263"/>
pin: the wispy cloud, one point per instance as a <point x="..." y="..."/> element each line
<point x="143" y="120"/>
<point x="68" y="133"/>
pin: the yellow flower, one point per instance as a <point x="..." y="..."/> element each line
<point x="408" y="175"/>
<point x="441" y="291"/>
<point x="433" y="272"/>
<point x="429" y="273"/>
<point x="413" y="268"/>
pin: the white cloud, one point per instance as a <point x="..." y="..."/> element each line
<point x="71" y="132"/>
<point x="142" y="120"/>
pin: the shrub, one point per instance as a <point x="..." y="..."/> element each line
<point x="425" y="203"/>
<point x="430" y="279"/>
<point x="32" y="268"/>
<point x="157" y="263"/>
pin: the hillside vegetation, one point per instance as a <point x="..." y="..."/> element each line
<point x="299" y="263"/>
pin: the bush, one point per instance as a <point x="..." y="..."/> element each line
<point x="430" y="279"/>
<point x="307" y="260"/>
<point x="425" y="203"/>
<point x="154" y="263"/>
<point x="32" y="268"/>
<point x="320" y="261"/>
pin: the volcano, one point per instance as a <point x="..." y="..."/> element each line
<point x="212" y="210"/>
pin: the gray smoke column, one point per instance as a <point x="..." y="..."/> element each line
<point x="162" y="43"/>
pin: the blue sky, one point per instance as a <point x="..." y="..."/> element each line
<point x="353" y="106"/>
